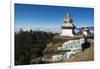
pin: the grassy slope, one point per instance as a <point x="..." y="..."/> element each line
<point x="86" y="55"/>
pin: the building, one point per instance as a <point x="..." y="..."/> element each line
<point x="85" y="31"/>
<point x="68" y="26"/>
<point x="71" y="47"/>
<point x="56" y="58"/>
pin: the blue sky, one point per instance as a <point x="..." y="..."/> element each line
<point x="29" y="16"/>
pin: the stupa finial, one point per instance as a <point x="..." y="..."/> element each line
<point x="68" y="13"/>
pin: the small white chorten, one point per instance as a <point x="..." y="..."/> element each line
<point x="68" y="27"/>
<point x="85" y="31"/>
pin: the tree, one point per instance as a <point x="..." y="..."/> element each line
<point x="29" y="45"/>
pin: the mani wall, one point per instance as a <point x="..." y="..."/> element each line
<point x="68" y="49"/>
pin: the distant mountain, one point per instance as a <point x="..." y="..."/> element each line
<point x="53" y="30"/>
<point x="91" y="28"/>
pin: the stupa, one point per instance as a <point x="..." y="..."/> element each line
<point x="68" y="26"/>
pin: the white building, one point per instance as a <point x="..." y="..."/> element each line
<point x="56" y="58"/>
<point x="72" y="47"/>
<point x="85" y="31"/>
<point x="68" y="27"/>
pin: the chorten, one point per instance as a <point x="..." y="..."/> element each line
<point x="85" y="31"/>
<point x="68" y="26"/>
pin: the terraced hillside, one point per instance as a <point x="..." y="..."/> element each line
<point x="86" y="55"/>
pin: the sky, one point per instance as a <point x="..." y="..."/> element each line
<point x="48" y="17"/>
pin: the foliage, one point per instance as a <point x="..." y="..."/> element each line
<point x="30" y="45"/>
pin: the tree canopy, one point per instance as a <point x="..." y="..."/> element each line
<point x="30" y="45"/>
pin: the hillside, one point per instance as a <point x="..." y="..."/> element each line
<point x="86" y="55"/>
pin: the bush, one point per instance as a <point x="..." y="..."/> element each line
<point x="29" y="45"/>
